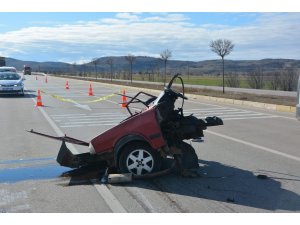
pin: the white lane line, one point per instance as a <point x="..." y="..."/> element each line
<point x="105" y="120"/>
<point x="212" y="108"/>
<point x="110" y="199"/>
<point x="245" y="118"/>
<point x="104" y="192"/>
<point x="236" y="115"/>
<point x="256" y="146"/>
<point x="96" y="118"/>
<point x="88" y="117"/>
<point x="63" y="115"/>
<point x="201" y="103"/>
<point x="284" y="117"/>
<point x="89" y="125"/>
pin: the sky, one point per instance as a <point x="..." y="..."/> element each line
<point x="80" y="37"/>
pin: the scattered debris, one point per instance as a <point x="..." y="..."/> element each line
<point x="261" y="176"/>
<point x="119" y="178"/>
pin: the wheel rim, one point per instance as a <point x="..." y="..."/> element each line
<point x="140" y="162"/>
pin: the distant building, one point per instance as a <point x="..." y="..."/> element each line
<point x="2" y="61"/>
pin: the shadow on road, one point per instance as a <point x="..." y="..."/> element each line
<point x="218" y="182"/>
<point x="26" y="95"/>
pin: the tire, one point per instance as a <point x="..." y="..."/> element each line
<point x="139" y="158"/>
<point x="189" y="157"/>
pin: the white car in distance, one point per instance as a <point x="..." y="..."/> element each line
<point x="7" y="69"/>
<point x="11" y="83"/>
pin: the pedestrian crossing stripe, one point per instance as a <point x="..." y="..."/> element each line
<point x="112" y="119"/>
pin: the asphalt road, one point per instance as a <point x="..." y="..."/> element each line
<point x="252" y="142"/>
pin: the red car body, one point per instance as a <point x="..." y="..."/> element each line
<point x="143" y="125"/>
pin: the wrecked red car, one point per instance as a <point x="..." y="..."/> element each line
<point x="139" y="144"/>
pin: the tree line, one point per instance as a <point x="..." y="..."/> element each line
<point x="285" y="79"/>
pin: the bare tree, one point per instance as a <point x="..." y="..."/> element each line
<point x="74" y="64"/>
<point x="110" y="62"/>
<point x="165" y="55"/>
<point x="188" y="70"/>
<point x="233" y="80"/>
<point x="222" y="47"/>
<point x="288" y="80"/>
<point x="95" y="61"/>
<point x="83" y="65"/>
<point x="275" y="80"/>
<point x="130" y="58"/>
<point x="256" y="79"/>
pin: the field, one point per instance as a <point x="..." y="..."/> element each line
<point x="203" y="80"/>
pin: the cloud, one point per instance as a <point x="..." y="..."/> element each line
<point x="127" y="16"/>
<point x="271" y="35"/>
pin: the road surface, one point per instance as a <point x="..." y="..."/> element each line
<point x="252" y="142"/>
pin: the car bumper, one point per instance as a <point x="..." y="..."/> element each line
<point x="8" y="90"/>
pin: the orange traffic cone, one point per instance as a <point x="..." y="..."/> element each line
<point x="39" y="99"/>
<point x="46" y="79"/>
<point x="67" y="85"/>
<point x="124" y="99"/>
<point x="91" y="90"/>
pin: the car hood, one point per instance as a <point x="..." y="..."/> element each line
<point x="10" y="82"/>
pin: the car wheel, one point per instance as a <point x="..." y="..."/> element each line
<point x="139" y="158"/>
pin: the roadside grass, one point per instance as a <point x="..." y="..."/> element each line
<point x="205" y="80"/>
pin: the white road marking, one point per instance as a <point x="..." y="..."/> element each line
<point x="201" y="103"/>
<point x="86" y="107"/>
<point x="217" y="106"/>
<point x="68" y="115"/>
<point x="249" y="114"/>
<point x="88" y="119"/>
<point x="110" y="199"/>
<point x="104" y="192"/>
<point x="89" y="122"/>
<point x="246" y="118"/>
<point x="111" y="119"/>
<point x="255" y="146"/>
<point x="89" y="125"/>
<point x="227" y="113"/>
<point x="210" y="109"/>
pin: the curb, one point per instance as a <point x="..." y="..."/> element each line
<point x="261" y="105"/>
